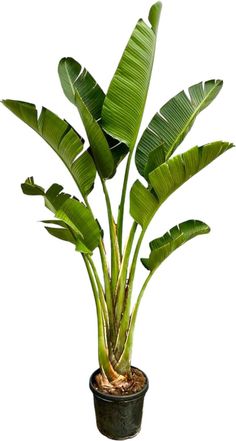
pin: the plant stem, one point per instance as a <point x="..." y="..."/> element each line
<point x="124" y="324"/>
<point x="121" y="283"/>
<point x="120" y="218"/>
<point x="125" y="358"/>
<point x="103" y="357"/>
<point x="108" y="295"/>
<point x="115" y="255"/>
<point x="100" y="291"/>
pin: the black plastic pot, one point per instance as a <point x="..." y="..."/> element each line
<point x="118" y="416"/>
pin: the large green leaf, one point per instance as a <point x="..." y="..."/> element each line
<point x="125" y="100"/>
<point x="77" y="80"/>
<point x="82" y="90"/>
<point x="168" y="128"/>
<point x="163" y="246"/>
<point x="64" y="140"/>
<point x="77" y="222"/>
<point x="169" y="176"/>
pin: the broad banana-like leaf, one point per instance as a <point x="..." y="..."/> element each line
<point x="64" y="140"/>
<point x="169" y="176"/>
<point x="163" y="246"/>
<point x="73" y="215"/>
<point x="125" y="100"/>
<point x="168" y="128"/>
<point x="76" y="80"/>
<point x="166" y="178"/>
<point x="82" y="90"/>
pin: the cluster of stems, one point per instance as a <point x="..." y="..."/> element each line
<point x="116" y="320"/>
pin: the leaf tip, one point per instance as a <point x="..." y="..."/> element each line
<point x="154" y="15"/>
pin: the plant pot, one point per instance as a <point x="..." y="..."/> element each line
<point x="118" y="416"/>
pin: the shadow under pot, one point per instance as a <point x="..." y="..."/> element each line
<point x="118" y="416"/>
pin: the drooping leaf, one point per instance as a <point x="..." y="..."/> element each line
<point x="163" y="246"/>
<point x="168" y="128"/>
<point x="76" y="80"/>
<point x="165" y="179"/>
<point x="32" y="189"/>
<point x="61" y="233"/>
<point x="53" y="197"/>
<point x="169" y="176"/>
<point x="61" y="136"/>
<point x="125" y="100"/>
<point x="73" y="216"/>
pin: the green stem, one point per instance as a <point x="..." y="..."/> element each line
<point x="125" y="359"/>
<point x="124" y="324"/>
<point x="108" y="295"/>
<point x="120" y="219"/>
<point x="115" y="255"/>
<point x="100" y="291"/>
<point x="121" y="283"/>
<point x="104" y="362"/>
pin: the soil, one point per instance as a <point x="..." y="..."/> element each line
<point x="124" y="386"/>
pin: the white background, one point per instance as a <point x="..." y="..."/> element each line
<point x="186" y="333"/>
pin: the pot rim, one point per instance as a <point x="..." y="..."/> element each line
<point x="110" y="397"/>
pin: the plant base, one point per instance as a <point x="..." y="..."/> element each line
<point x="118" y="416"/>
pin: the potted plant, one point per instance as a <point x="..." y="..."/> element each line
<point x="112" y="122"/>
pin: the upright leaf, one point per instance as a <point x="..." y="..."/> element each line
<point x="82" y="90"/>
<point x="125" y="100"/>
<point x="61" y="136"/>
<point x="168" y="128"/>
<point x="163" y="246"/>
<point x="76" y="80"/>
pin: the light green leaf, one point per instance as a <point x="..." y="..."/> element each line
<point x="163" y="246"/>
<point x="169" y="176"/>
<point x="61" y="136"/>
<point x="125" y="100"/>
<point x="143" y="204"/>
<point x="168" y="128"/>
